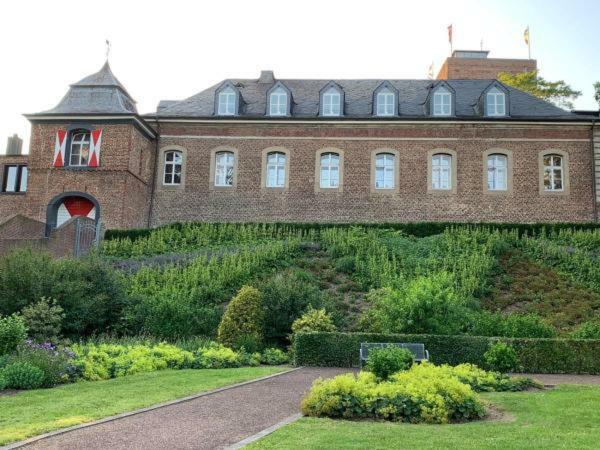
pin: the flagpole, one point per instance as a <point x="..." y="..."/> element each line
<point x="529" y="46"/>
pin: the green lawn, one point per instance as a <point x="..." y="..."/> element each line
<point x="566" y="417"/>
<point x="34" y="412"/>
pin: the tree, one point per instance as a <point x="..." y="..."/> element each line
<point x="557" y="92"/>
<point x="597" y="92"/>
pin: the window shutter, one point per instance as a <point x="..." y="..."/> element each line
<point x="59" y="148"/>
<point x="95" y="144"/>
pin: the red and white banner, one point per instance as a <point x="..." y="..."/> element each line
<point x="95" y="144"/>
<point x="59" y="148"/>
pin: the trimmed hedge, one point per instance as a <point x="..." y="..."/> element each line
<point x="535" y="355"/>
<point x="418" y="229"/>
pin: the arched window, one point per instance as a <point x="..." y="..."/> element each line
<point x="442" y="102"/>
<point x="278" y="102"/>
<point x="330" y="170"/>
<point x="172" y="168"/>
<point x="553" y="173"/>
<point x="332" y="102"/>
<point x="385" y="168"/>
<point x="441" y="171"/>
<point x="497" y="172"/>
<point x="386" y="100"/>
<point x="79" y="151"/>
<point x="227" y="101"/>
<point x="496" y="102"/>
<point x="276" y="169"/>
<point x="224" y="166"/>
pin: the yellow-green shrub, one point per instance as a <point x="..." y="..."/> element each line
<point x="243" y="318"/>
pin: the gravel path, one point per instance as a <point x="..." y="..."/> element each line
<point x="553" y="380"/>
<point x="211" y="422"/>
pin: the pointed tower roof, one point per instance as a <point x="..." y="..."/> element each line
<point x="99" y="93"/>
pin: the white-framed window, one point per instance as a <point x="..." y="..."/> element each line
<point x="224" y="167"/>
<point x="497" y="172"/>
<point x="79" y="151"/>
<point x="332" y="102"/>
<point x="227" y="102"/>
<point x="385" y="171"/>
<point x="330" y="170"/>
<point x="442" y="102"/>
<point x="15" y="178"/>
<point x="385" y="102"/>
<point x="496" y="102"/>
<point x="172" y="168"/>
<point x="553" y="173"/>
<point x="278" y="102"/>
<point x="276" y="169"/>
<point x="441" y="171"/>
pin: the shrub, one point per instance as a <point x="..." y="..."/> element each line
<point x="286" y="296"/>
<point x="426" y="304"/>
<point x="273" y="357"/>
<point x="3" y="381"/>
<point x="502" y="358"/>
<point x="12" y="332"/>
<point x="55" y="363"/>
<point x="313" y="320"/>
<point x="429" y="397"/>
<point x="485" y="323"/>
<point x="384" y="362"/>
<point x="345" y="264"/>
<point x="216" y="357"/>
<point x="22" y="375"/>
<point x="43" y="320"/>
<point x="243" y="317"/>
<point x="587" y="330"/>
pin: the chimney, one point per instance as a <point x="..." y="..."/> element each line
<point x="14" y="146"/>
<point x="475" y="65"/>
<point x="266" y="77"/>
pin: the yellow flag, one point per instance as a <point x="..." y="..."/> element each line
<point x="526" y="35"/>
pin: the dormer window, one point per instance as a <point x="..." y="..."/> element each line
<point x="495" y="103"/>
<point x="278" y="102"/>
<point x="227" y="101"/>
<point x="442" y="102"/>
<point x="386" y="102"/>
<point x="331" y="102"/>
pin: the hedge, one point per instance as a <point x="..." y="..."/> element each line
<point x="535" y="355"/>
<point x="418" y="229"/>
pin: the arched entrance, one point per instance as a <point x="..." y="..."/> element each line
<point x="71" y="204"/>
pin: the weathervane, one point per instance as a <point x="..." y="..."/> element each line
<point x="107" y="48"/>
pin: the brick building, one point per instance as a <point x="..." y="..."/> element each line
<point x="266" y="149"/>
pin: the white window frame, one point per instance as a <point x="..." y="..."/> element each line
<point x="385" y="171"/>
<point x="437" y="170"/>
<point x="278" y="166"/>
<point x="332" y="103"/>
<point x="224" y="168"/>
<point x="549" y="172"/>
<point x="497" y="174"/>
<point x="80" y="141"/>
<point x="15" y="178"/>
<point x="227" y="101"/>
<point x="278" y="102"/>
<point x="386" y="99"/>
<point x="170" y="167"/>
<point x="496" y="103"/>
<point x="329" y="164"/>
<point x="442" y="102"/>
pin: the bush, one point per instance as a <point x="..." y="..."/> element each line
<point x="485" y="323"/>
<point x="313" y="320"/>
<point x="22" y="375"/>
<point x="426" y="304"/>
<point x="286" y="296"/>
<point x="12" y="332"/>
<point x="535" y="355"/>
<point x="55" y="363"/>
<point x="43" y="320"/>
<point x="587" y="330"/>
<point x="502" y="357"/>
<point x="243" y="317"/>
<point x="217" y="357"/>
<point x="3" y="381"/>
<point x="345" y="264"/>
<point x="273" y="357"/>
<point x="427" y="396"/>
<point x="383" y="362"/>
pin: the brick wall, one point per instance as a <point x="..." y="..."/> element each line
<point x="483" y="69"/>
<point x="356" y="203"/>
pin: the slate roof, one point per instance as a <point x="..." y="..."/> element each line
<point x="99" y="93"/>
<point x="359" y="100"/>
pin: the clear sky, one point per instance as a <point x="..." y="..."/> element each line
<point x="173" y="49"/>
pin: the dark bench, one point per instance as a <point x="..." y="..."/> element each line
<point x="418" y="350"/>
